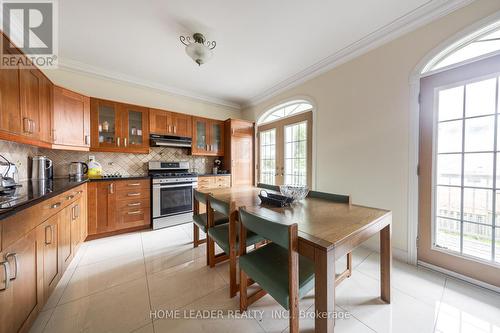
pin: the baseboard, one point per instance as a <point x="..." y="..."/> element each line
<point x="398" y="254"/>
<point x="459" y="276"/>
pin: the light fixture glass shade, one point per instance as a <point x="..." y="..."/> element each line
<point x="198" y="52"/>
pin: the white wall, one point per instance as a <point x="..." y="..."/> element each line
<point x="94" y="86"/>
<point x="363" y="117"/>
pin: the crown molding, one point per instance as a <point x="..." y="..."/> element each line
<point x="432" y="10"/>
<point x="97" y="72"/>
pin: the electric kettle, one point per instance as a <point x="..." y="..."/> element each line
<point x="78" y="170"/>
<point x="41" y="168"/>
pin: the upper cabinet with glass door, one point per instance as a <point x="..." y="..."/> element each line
<point x="118" y="127"/>
<point x="208" y="137"/>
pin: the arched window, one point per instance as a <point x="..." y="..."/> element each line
<point x="475" y="46"/>
<point x="285" y="110"/>
<point x="284" y="134"/>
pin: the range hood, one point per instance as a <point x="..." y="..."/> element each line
<point x="169" y="141"/>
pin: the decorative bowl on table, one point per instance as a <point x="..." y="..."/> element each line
<point x="297" y="192"/>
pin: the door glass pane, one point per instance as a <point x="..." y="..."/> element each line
<point x="479" y="134"/>
<point x="497" y="245"/>
<point x="451" y="103"/>
<point x="296" y="154"/>
<point x="497" y="209"/>
<point x="478" y="170"/>
<point x="448" y="202"/>
<point x="174" y="200"/>
<point x="267" y="157"/>
<point x="201" y="135"/>
<point x="450" y="137"/>
<point x="107" y="124"/>
<point x="216" y="136"/>
<point x="477" y="240"/>
<point x="449" y="169"/>
<point x="480" y="98"/>
<point x="478" y="205"/>
<point x="448" y="234"/>
<point x="135" y="127"/>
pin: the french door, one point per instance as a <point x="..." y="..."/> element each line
<point x="285" y="150"/>
<point x="459" y="181"/>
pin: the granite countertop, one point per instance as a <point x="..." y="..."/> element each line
<point x="129" y="177"/>
<point x="213" y="174"/>
<point x="33" y="192"/>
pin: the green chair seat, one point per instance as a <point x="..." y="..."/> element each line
<point x="201" y="220"/>
<point x="220" y="235"/>
<point x="268" y="266"/>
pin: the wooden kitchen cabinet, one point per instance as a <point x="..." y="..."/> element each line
<point x="239" y="151"/>
<point x="208" y="137"/>
<point x="22" y="299"/>
<point x="10" y="99"/>
<point x="118" y="206"/>
<point x="71" y="117"/>
<point x="119" y="127"/>
<point x="48" y="241"/>
<point x="170" y="123"/>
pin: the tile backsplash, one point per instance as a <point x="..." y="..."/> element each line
<point x="19" y="155"/>
<point x="127" y="164"/>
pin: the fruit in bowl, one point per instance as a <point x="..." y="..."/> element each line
<point x="297" y="192"/>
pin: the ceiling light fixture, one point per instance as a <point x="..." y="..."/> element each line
<point x="198" y="48"/>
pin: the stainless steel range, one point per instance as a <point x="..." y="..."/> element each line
<point x="172" y="198"/>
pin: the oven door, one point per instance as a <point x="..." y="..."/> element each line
<point x="172" y="199"/>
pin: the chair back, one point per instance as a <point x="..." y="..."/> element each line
<point x="270" y="230"/>
<point x="200" y="196"/>
<point x="330" y="197"/>
<point x="269" y="187"/>
<point x="219" y="206"/>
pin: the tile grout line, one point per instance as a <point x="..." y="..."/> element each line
<point x="147" y="283"/>
<point x="440" y="302"/>
<point x="62" y="293"/>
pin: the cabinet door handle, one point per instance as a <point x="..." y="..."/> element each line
<point x="26" y="125"/>
<point x="175" y="129"/>
<point x="111" y="188"/>
<point x="169" y="128"/>
<point x="54" y="138"/>
<point x="135" y="212"/>
<point x="33" y="125"/>
<point x="16" y="263"/>
<point x="118" y="142"/>
<point x="133" y="194"/>
<point x="134" y="204"/>
<point x="87" y="139"/>
<point x="56" y="205"/>
<point x="6" y="269"/>
<point x="125" y="142"/>
<point x="77" y="211"/>
<point x="51" y="234"/>
<point x="134" y="184"/>
<point x="70" y="197"/>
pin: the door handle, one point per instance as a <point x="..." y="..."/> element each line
<point x="169" y="128"/>
<point x="133" y="194"/>
<point x="87" y="139"/>
<point x="6" y="269"/>
<point x="135" y="212"/>
<point x="118" y="141"/>
<point x="134" y="184"/>
<point x="56" y="205"/>
<point x="26" y="125"/>
<point x="111" y="188"/>
<point x="175" y="129"/>
<point x="13" y="255"/>
<point x="125" y="142"/>
<point x="134" y="204"/>
<point x="33" y="125"/>
<point x="51" y="234"/>
<point x="70" y="197"/>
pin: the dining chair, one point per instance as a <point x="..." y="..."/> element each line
<point x="340" y="198"/>
<point x="277" y="267"/>
<point x="226" y="237"/>
<point x="200" y="220"/>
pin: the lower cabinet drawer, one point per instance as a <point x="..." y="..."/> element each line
<point x="131" y="204"/>
<point x="139" y="193"/>
<point x="126" y="185"/>
<point x="134" y="217"/>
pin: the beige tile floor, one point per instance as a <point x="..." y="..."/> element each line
<point x="113" y="284"/>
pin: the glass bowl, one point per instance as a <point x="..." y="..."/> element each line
<point x="297" y="192"/>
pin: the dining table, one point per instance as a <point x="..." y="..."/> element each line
<point x="327" y="231"/>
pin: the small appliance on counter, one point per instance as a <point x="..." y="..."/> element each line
<point x="41" y="168"/>
<point x="78" y="170"/>
<point x="9" y="178"/>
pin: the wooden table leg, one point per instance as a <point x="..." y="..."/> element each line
<point x="324" y="290"/>
<point x="385" y="264"/>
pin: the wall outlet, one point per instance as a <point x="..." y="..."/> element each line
<point x="91" y="157"/>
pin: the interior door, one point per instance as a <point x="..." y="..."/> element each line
<point x="459" y="181"/>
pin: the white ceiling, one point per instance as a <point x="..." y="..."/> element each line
<point x="260" y="43"/>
